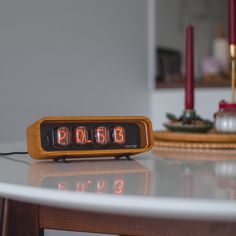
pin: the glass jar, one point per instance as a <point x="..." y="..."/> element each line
<point x="225" y="118"/>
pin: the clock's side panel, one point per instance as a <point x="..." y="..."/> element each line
<point x="34" y="140"/>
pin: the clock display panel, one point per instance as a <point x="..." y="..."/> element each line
<point x="89" y="136"/>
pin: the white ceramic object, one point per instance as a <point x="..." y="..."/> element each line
<point x="225" y="118"/>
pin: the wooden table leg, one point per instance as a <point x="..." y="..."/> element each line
<point x="19" y="219"/>
<point x="23" y="219"/>
<point x="64" y="219"/>
<point x="1" y="216"/>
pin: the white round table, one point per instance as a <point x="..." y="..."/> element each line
<point x="152" y="187"/>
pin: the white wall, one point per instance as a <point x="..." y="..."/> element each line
<point x="74" y="57"/>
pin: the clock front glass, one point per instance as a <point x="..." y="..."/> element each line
<point x="58" y="136"/>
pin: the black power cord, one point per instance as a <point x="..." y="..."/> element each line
<point x="12" y="153"/>
<point x="6" y="154"/>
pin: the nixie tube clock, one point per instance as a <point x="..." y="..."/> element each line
<point x="68" y="137"/>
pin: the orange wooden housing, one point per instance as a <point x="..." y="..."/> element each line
<point x="36" y="150"/>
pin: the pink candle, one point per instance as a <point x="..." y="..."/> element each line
<point x="189" y="70"/>
<point x="232" y="21"/>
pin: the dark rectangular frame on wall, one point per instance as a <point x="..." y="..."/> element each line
<point x="168" y="63"/>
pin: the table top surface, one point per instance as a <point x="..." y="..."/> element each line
<point x="162" y="183"/>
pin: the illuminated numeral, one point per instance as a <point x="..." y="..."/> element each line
<point x="118" y="134"/>
<point x="62" y="186"/>
<point x="102" y="135"/>
<point x="81" y="135"/>
<point x="119" y="186"/>
<point x="63" y="136"/>
<point x="101" y="186"/>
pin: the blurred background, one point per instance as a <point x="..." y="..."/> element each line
<point x="100" y="57"/>
<point x="209" y="18"/>
<point x="105" y="57"/>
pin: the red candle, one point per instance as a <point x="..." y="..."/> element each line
<point x="232" y="21"/>
<point x="189" y="70"/>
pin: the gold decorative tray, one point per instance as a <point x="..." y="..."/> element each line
<point x="210" y="140"/>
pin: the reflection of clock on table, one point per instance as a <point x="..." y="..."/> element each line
<point x="225" y="173"/>
<point x="100" y="176"/>
<point x="53" y="137"/>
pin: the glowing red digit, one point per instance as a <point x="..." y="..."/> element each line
<point x="63" y="136"/>
<point x="118" y="134"/>
<point x="81" y="135"/>
<point x="119" y="186"/>
<point x="102" y="135"/>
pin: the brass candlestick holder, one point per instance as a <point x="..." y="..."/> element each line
<point x="225" y="118"/>
<point x="233" y="70"/>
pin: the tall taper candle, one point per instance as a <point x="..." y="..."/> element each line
<point x="232" y="21"/>
<point x="189" y="69"/>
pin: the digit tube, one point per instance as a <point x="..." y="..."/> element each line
<point x="189" y="69"/>
<point x="62" y="136"/>
<point x="118" y="134"/>
<point x="102" y="135"/>
<point x="81" y="135"/>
